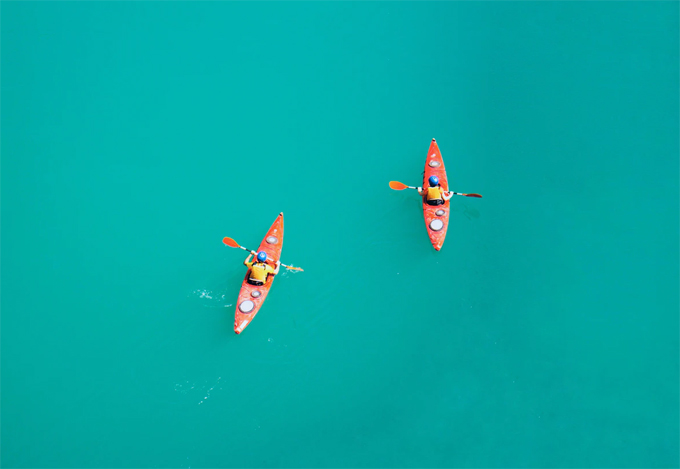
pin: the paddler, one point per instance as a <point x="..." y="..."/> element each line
<point x="259" y="269"/>
<point x="434" y="195"/>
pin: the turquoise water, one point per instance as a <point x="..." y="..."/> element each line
<point x="136" y="135"/>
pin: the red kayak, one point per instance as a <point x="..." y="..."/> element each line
<point x="437" y="216"/>
<point x="251" y="297"/>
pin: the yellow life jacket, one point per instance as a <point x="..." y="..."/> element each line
<point x="259" y="271"/>
<point x="434" y="193"/>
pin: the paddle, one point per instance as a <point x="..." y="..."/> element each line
<point x="400" y="186"/>
<point x="233" y="244"/>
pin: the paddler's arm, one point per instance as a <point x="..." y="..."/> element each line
<point x="247" y="261"/>
<point x="421" y="191"/>
<point x="271" y="270"/>
<point x="447" y="195"/>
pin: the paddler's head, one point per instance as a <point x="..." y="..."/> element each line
<point x="261" y="256"/>
<point x="434" y="181"/>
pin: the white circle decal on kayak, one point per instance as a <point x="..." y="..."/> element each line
<point x="272" y="239"/>
<point x="246" y="306"/>
<point x="439" y="212"/>
<point x="434" y="164"/>
<point x="255" y="294"/>
<point x="436" y="225"/>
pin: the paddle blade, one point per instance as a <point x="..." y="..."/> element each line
<point x="473" y="195"/>
<point x="290" y="267"/>
<point x="398" y="186"/>
<point x="230" y="242"/>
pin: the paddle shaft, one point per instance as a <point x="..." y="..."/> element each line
<point x="286" y="266"/>
<point x="400" y="186"/>
<point x="449" y="192"/>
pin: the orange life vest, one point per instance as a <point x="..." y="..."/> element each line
<point x="434" y="193"/>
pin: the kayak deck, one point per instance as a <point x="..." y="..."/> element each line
<point x="251" y="297"/>
<point x="436" y="216"/>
